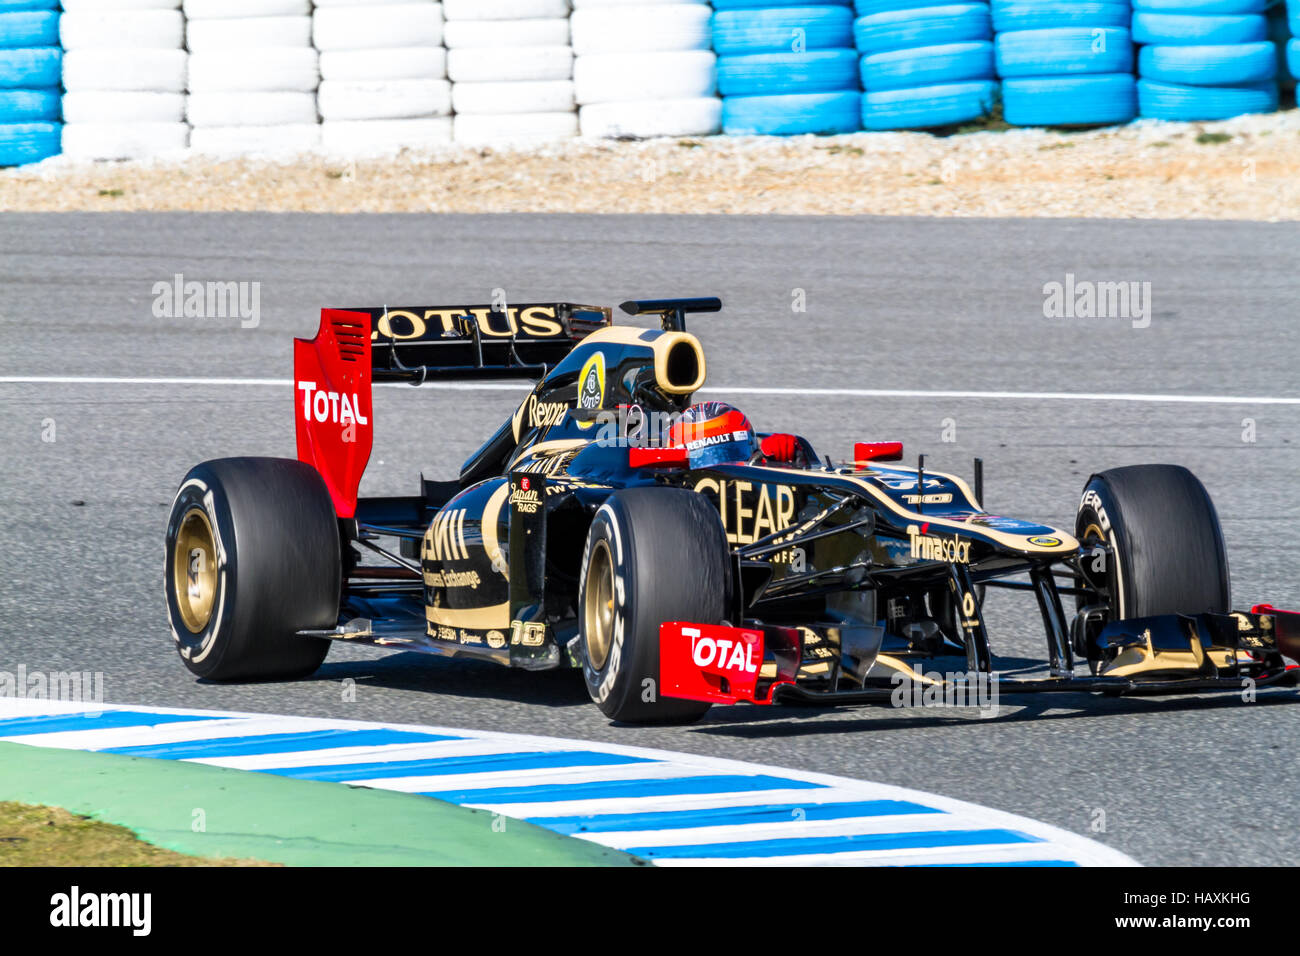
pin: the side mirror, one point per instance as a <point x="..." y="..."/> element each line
<point x="866" y="452"/>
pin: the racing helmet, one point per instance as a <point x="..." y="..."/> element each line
<point x="714" y="433"/>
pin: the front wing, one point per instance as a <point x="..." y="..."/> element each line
<point x="1170" y="654"/>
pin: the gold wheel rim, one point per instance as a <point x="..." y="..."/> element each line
<point x="598" y="605"/>
<point x="194" y="570"/>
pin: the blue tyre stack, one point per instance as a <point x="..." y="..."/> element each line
<point x="1065" y="62"/>
<point x="924" y="65"/>
<point x="786" y="69"/>
<point x="31" y="65"/>
<point x="1204" y="59"/>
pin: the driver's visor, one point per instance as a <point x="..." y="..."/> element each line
<point x="721" y="449"/>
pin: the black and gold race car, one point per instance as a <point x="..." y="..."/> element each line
<point x="675" y="556"/>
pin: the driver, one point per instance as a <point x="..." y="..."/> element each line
<point x="716" y="433"/>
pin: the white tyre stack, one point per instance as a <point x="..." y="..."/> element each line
<point x="383" y="75"/>
<point x="511" y="70"/>
<point x="645" y="68"/>
<point x="252" y="76"/>
<point x="124" y="76"/>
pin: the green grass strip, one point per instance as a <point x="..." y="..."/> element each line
<point x="218" y="812"/>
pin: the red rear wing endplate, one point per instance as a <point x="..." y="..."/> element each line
<point x="332" y="406"/>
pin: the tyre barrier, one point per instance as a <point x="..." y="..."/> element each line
<point x="124" y="76"/>
<point x="252" y="76"/>
<point x="786" y="70"/>
<point x="1172" y="101"/>
<point x="1088" y="100"/>
<point x="1204" y="59"/>
<point x="1096" y="59"/>
<point x="1012" y="15"/>
<point x="925" y="66"/>
<point x="767" y="4"/>
<point x="766" y="74"/>
<point x="921" y="27"/>
<point x="1231" y="65"/>
<point x="791" y="114"/>
<point x="144" y="77"/>
<point x="23" y="143"/>
<point x="1197" y="29"/>
<point x="644" y="69"/>
<point x="779" y="28"/>
<point x="866" y="8"/>
<point x="30" y="69"/>
<point x="919" y="107"/>
<point x="1199" y="7"/>
<point x="28" y="29"/>
<point x="383" y="75"/>
<point x="928" y="65"/>
<point x="511" y="69"/>
<point x="1065" y="50"/>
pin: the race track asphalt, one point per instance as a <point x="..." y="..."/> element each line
<point x="909" y="304"/>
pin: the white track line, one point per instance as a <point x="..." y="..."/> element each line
<point x="1140" y="397"/>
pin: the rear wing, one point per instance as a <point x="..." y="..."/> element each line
<point x="465" y="342"/>
<point x="333" y="372"/>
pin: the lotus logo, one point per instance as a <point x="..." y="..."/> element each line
<point x="592" y="394"/>
<point x="591" y="386"/>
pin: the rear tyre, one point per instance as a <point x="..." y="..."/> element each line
<point x="653" y="555"/>
<point x="253" y="556"/>
<point x="1167" y="550"/>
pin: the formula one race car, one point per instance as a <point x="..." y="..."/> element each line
<point x="673" y="554"/>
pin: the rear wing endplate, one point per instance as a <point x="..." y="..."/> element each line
<point x="332" y="410"/>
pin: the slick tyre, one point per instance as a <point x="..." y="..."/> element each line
<point x="1166" y="545"/>
<point x="652" y="555"/>
<point x="253" y="556"/>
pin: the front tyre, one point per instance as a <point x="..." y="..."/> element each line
<point x="653" y="555"/>
<point x="253" y="556"/>
<point x="1167" y="554"/>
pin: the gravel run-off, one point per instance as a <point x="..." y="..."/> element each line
<point x="1246" y="168"/>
